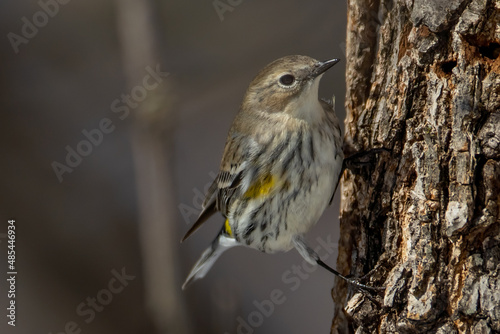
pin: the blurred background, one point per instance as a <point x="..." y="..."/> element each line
<point x="97" y="235"/>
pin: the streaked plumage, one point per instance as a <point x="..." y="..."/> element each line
<point x="280" y="167"/>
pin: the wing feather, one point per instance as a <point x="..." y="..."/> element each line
<point x="228" y="185"/>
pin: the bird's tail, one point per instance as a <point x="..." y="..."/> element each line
<point x="208" y="258"/>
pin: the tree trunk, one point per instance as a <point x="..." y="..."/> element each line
<point x="423" y="220"/>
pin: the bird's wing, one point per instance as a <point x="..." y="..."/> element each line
<point x="208" y="209"/>
<point x="228" y="184"/>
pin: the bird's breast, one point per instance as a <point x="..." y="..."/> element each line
<point x="302" y="169"/>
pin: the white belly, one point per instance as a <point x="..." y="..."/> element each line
<point x="305" y="211"/>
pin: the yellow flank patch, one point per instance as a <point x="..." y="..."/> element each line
<point x="227" y="228"/>
<point x="261" y="187"/>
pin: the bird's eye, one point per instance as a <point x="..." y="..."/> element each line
<point x="287" y="79"/>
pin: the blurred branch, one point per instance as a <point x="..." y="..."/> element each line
<point x="152" y="153"/>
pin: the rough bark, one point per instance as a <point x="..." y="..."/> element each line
<point x="423" y="220"/>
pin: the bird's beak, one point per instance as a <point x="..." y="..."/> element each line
<point x="323" y="66"/>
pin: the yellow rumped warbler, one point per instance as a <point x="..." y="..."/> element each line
<point x="280" y="168"/>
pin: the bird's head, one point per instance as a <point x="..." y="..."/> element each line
<point x="287" y="85"/>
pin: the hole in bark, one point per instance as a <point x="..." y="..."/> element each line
<point x="479" y="122"/>
<point x="448" y="66"/>
<point x="412" y="178"/>
<point x="478" y="180"/>
<point x="491" y="51"/>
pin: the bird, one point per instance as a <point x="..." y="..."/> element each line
<point x="280" y="168"/>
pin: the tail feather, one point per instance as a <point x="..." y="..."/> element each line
<point x="208" y="258"/>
